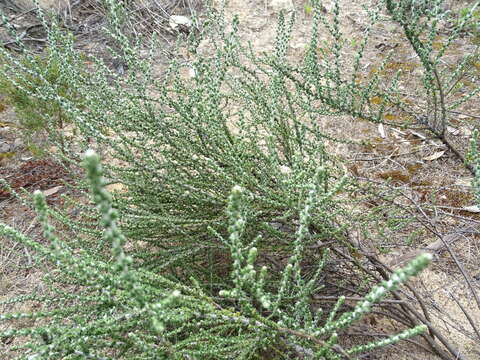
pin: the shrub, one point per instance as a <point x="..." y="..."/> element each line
<point x="39" y="117"/>
<point x="179" y="144"/>
<point x="119" y="311"/>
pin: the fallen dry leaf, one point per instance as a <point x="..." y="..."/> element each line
<point x="381" y="130"/>
<point x="467" y="181"/>
<point x="120" y="188"/>
<point x="465" y="131"/>
<point x="177" y="20"/>
<point x="52" y="191"/>
<point x="473" y="209"/>
<point x="417" y="134"/>
<point x="453" y="131"/>
<point x="434" y="156"/>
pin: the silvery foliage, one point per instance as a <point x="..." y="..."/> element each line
<point x="122" y="311"/>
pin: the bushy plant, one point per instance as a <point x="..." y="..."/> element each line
<point x="119" y="311"/>
<point x="178" y="144"/>
<point x="189" y="141"/>
<point x="37" y="117"/>
<point x="473" y="23"/>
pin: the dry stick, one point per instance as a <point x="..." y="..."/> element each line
<point x="16" y="17"/>
<point x="303" y="335"/>
<point x="412" y="321"/>
<point x="409" y="311"/>
<point x="433" y="247"/>
<point x="442" y="101"/>
<point x="433" y="332"/>
<point x="428" y="225"/>
<point x="446" y="243"/>
<point x="385" y="276"/>
<point x="459" y="265"/>
<point x="467" y="315"/>
<point x="380" y="266"/>
<point x="432" y="229"/>
<point x="448" y="144"/>
<point x="403" y="304"/>
<point x="441" y="135"/>
<point x="283" y="330"/>
<point x="352" y="298"/>
<point x="390" y="315"/>
<point x="382" y="269"/>
<point x="461" y="113"/>
<point x="314" y="340"/>
<point x="460" y="217"/>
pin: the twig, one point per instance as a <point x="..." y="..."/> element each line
<point x="353" y="298"/>
<point x="467" y="315"/>
<point x="410" y="312"/>
<point x="28" y="39"/>
<point x="19" y="15"/>
<point x="442" y="101"/>
<point x="461" y="113"/>
<point x="432" y="229"/>
<point x="425" y="320"/>
<point x="314" y="340"/>
<point x="384" y="276"/>
<point x="435" y="246"/>
<point x="386" y="335"/>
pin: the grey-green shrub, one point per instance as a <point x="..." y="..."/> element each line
<point x="179" y="145"/>
<point x="118" y="311"/>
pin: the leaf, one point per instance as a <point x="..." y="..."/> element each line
<point x="417" y="134"/>
<point x="467" y="181"/>
<point x="52" y="191"/>
<point x="285" y="170"/>
<point x="473" y="209"/>
<point x="381" y="130"/>
<point x="6" y="155"/>
<point x="178" y="20"/>
<point x="465" y="131"/>
<point x="437" y="45"/>
<point x="453" y="131"/>
<point x="7" y="124"/>
<point x="434" y="156"/>
<point x="120" y="188"/>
